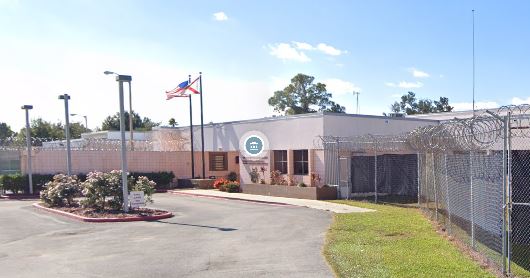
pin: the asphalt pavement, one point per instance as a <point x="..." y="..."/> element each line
<point x="206" y="238"/>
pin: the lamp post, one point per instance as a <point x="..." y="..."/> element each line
<point x="130" y="111"/>
<point x="66" y="97"/>
<point x="84" y="116"/>
<point x="28" y="143"/>
<point x="120" y="79"/>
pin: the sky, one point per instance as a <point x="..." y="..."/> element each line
<point x="249" y="49"/>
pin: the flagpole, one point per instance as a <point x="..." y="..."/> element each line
<point x="202" y="128"/>
<point x="191" y="135"/>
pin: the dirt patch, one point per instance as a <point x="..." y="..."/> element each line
<point x="93" y="213"/>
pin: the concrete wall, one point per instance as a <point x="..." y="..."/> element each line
<point x="358" y="125"/>
<point x="54" y="161"/>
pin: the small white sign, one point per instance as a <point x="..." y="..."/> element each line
<point x="136" y="199"/>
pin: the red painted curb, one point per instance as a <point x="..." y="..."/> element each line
<point x="101" y="220"/>
<point x="229" y="198"/>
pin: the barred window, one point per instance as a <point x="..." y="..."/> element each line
<point x="301" y="162"/>
<point x="218" y="161"/>
<point x="280" y="161"/>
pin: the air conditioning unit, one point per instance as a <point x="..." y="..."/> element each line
<point x="397" y="115"/>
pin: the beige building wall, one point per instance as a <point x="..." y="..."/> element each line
<point x="54" y="161"/>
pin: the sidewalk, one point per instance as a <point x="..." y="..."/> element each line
<point x="314" y="204"/>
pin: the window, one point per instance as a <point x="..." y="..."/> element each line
<point x="301" y="162"/>
<point x="280" y="161"/>
<point x="218" y="161"/>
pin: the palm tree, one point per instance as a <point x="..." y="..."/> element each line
<point x="172" y="122"/>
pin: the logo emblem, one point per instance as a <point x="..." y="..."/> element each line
<point x="254" y="145"/>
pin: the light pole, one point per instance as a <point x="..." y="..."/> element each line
<point x="120" y="79"/>
<point x="66" y="97"/>
<point x="357" y="103"/>
<point x="84" y="116"/>
<point x="130" y="111"/>
<point x="28" y="143"/>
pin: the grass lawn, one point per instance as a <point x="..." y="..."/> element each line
<point x="393" y="242"/>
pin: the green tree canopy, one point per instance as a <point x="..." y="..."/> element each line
<point x="302" y="96"/>
<point x="172" y="122"/>
<point x="410" y="105"/>
<point x="113" y="122"/>
<point x="5" y="131"/>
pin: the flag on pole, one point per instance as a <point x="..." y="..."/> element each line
<point x="180" y="90"/>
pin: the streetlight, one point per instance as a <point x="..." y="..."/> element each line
<point x="66" y="97"/>
<point x="130" y="110"/>
<point x="28" y="143"/>
<point x="84" y="116"/>
<point x="120" y="79"/>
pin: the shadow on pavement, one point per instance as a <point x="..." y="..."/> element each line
<point x="200" y="226"/>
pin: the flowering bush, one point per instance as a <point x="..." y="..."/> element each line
<point x="219" y="182"/>
<point x="61" y="190"/>
<point x="231" y="187"/>
<point x="147" y="186"/>
<point x="102" y="189"/>
<point x="277" y="178"/>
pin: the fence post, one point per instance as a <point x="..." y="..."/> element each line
<point x="419" y="178"/>
<point x="338" y="168"/>
<point x="447" y="198"/>
<point x="509" y="204"/>
<point x="472" y="203"/>
<point x="375" y="176"/>
<point x="434" y="187"/>
<point x="504" y="189"/>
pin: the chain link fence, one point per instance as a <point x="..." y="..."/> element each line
<point x="471" y="175"/>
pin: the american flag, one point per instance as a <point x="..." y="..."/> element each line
<point x="180" y="90"/>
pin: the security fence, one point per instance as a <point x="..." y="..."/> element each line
<point x="470" y="175"/>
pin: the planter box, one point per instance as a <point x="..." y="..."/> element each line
<point x="311" y="193"/>
<point x="202" y="183"/>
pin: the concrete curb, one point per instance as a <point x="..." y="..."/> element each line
<point x="229" y="198"/>
<point x="102" y="220"/>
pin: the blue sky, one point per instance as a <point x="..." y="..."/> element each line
<point x="249" y="49"/>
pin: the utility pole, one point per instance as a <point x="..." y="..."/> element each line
<point x="357" y="103"/>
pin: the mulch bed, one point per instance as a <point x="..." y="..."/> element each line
<point x="92" y="215"/>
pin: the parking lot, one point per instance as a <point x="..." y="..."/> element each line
<point x="206" y="238"/>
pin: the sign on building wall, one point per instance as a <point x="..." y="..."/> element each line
<point x="254" y="156"/>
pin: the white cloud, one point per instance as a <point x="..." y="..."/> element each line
<point x="418" y="73"/>
<point x="404" y="85"/>
<point x="303" y="46"/>
<point x="292" y="51"/>
<point x="220" y="16"/>
<point x="285" y="51"/>
<point x="519" y="101"/>
<point x="464" y="106"/>
<point x="340" y="87"/>
<point x="330" y="50"/>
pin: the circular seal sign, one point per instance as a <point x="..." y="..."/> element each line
<point x="254" y="145"/>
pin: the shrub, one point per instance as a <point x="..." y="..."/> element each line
<point x="219" y="183"/>
<point x="103" y="190"/>
<point x="147" y="186"/>
<point x="163" y="180"/>
<point x="61" y="190"/>
<point x="15" y="183"/>
<point x="232" y="187"/>
<point x="232" y="176"/>
<point x="277" y="178"/>
<point x="302" y="184"/>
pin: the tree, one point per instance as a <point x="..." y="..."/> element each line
<point x="302" y="96"/>
<point x="5" y="131"/>
<point x="113" y="122"/>
<point x="410" y="105"/>
<point x="172" y="122"/>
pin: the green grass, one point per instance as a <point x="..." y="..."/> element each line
<point x="393" y="242"/>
